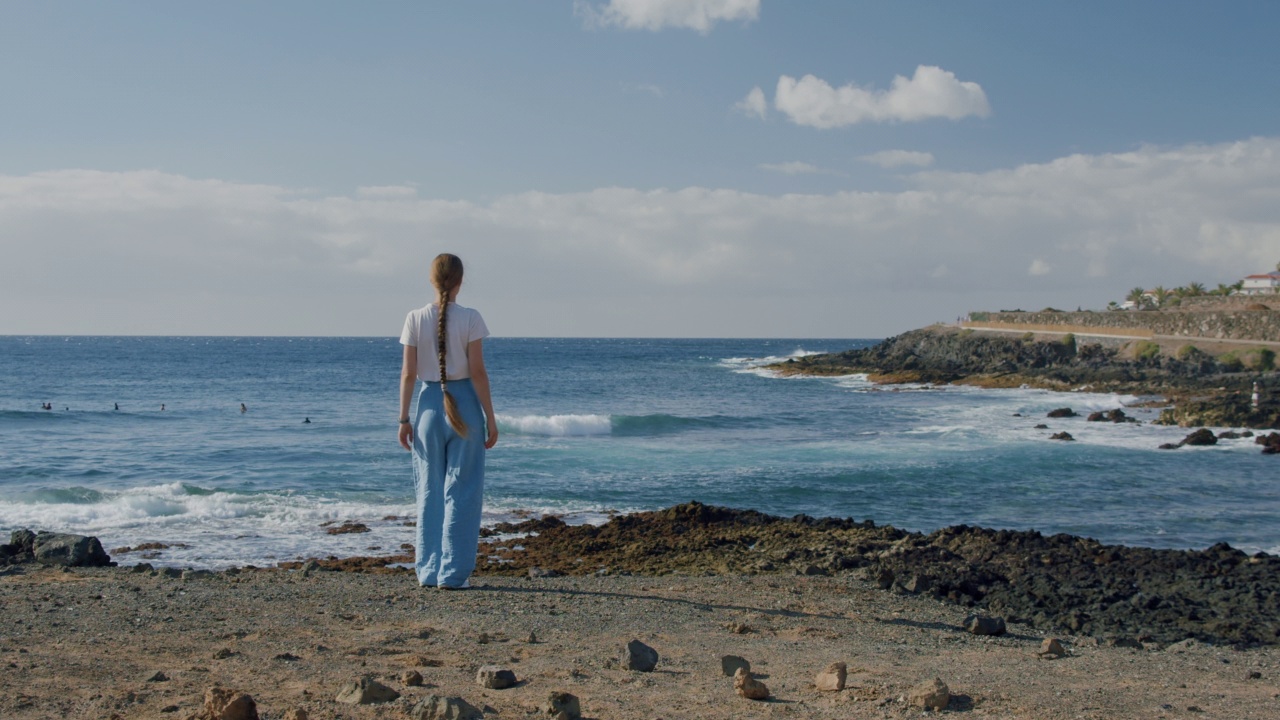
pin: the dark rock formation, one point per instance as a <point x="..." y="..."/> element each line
<point x="1062" y="412"/>
<point x="1204" y="390"/>
<point x="1058" y="583"/>
<point x="49" y="548"/>
<point x="1064" y="435"/>
<point x="1115" y="416"/>
<point x="1270" y="443"/>
<point x="1203" y="436"/>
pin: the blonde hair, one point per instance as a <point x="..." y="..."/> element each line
<point x="446" y="276"/>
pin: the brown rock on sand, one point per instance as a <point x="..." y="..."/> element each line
<point x="833" y="678"/>
<point x="930" y="694"/>
<point x="563" y="706"/>
<point x="224" y="704"/>
<point x="749" y="687"/>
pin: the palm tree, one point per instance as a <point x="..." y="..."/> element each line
<point x="1161" y="295"/>
<point x="1194" y="289"/>
<point x="1137" y="296"/>
<point x="1223" y="289"/>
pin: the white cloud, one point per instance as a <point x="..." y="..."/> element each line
<point x="700" y="15"/>
<point x="651" y="89"/>
<point x="387" y="192"/>
<point x="1038" y="267"/>
<point x="147" y="252"/>
<point x="796" y="167"/>
<point x="898" y="158"/>
<point x="754" y="104"/>
<point x="931" y="93"/>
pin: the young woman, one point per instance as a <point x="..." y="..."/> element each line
<point x="453" y="427"/>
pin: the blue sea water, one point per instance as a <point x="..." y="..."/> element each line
<point x="589" y="427"/>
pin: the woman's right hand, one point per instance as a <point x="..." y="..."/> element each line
<point x="406" y="436"/>
<point x="493" y="436"/>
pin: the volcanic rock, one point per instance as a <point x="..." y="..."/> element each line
<point x="436" y="707"/>
<point x="223" y="704"/>
<point x="1062" y="412"/>
<point x="495" y="678"/>
<point x="729" y="664"/>
<point x="411" y="678"/>
<point x="983" y="625"/>
<point x="1064" y="435"/>
<point x="1203" y="436"/>
<point x="638" y="656"/>
<point x="833" y="678"/>
<point x="563" y="706"/>
<point x="366" y="691"/>
<point x="748" y="687"/>
<point x="1051" y="648"/>
<point x="931" y="695"/>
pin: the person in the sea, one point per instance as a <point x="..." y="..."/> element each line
<point x="453" y="426"/>
<point x="243" y="409"/>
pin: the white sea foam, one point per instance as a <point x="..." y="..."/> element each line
<point x="221" y="529"/>
<point x="556" y="425"/>
<point x="756" y="365"/>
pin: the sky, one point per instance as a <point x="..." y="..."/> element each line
<point x="626" y="168"/>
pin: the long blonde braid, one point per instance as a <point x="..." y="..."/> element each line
<point x="446" y="275"/>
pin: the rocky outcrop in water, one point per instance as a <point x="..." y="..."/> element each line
<point x="1058" y="583"/>
<point x="1204" y="390"/>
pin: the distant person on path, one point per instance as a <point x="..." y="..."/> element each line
<point x="453" y="428"/>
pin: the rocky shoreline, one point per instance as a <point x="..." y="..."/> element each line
<point x="565" y="611"/>
<point x="1203" y="390"/>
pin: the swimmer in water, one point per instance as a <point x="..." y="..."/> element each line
<point x="243" y="408"/>
<point x="161" y="407"/>
<point x="306" y="421"/>
<point x="117" y="406"/>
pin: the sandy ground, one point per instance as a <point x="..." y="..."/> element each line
<point x="86" y="643"/>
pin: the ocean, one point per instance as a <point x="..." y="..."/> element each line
<point x="589" y="428"/>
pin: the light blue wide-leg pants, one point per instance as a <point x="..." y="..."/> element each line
<point x="448" y="472"/>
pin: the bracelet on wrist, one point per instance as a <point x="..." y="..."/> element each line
<point x="404" y="421"/>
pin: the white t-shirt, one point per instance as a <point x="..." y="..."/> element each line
<point x="463" y="325"/>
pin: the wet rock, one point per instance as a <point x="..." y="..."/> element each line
<point x="729" y="664"/>
<point x="1114" y="416"/>
<point x="366" y="691"/>
<point x="1203" y="436"/>
<point x="1041" y="426"/>
<point x="833" y="678"/>
<point x="931" y="695"/>
<point x="1062" y="412"/>
<point x="1064" y="435"/>
<point x="347" y="528"/>
<point x="1270" y="443"/>
<point x="437" y="707"/>
<point x="983" y="625"/>
<point x="1051" y="649"/>
<point x="563" y="706"/>
<point x="1170" y="446"/>
<point x="224" y="704"/>
<point x="638" y="656"/>
<point x="495" y="678"/>
<point x="748" y="687"/>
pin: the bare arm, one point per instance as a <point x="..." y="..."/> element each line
<point x="480" y="381"/>
<point x="408" y="376"/>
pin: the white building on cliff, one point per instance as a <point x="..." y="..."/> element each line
<point x="1264" y="284"/>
